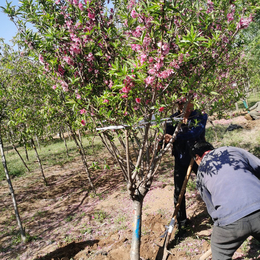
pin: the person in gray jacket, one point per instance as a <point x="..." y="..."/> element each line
<point x="228" y="179"/>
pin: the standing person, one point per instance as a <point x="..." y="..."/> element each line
<point x="192" y="130"/>
<point x="228" y="179"/>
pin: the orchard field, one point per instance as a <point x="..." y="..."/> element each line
<point x="66" y="220"/>
<point x="85" y="91"/>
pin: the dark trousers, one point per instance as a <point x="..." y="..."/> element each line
<point x="180" y="173"/>
<point x="227" y="239"/>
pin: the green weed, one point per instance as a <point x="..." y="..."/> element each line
<point x="69" y="218"/>
<point x="87" y="230"/>
<point x="100" y="216"/>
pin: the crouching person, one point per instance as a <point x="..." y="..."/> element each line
<point x="228" y="179"/>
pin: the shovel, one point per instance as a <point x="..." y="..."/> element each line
<point x="205" y="255"/>
<point x="163" y="251"/>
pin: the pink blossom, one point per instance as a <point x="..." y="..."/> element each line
<point x="146" y="41"/>
<point x="47" y="67"/>
<point x="81" y="6"/>
<point x="230" y="17"/>
<point x="61" y="70"/>
<point x="180" y="58"/>
<point x="124" y="96"/>
<point x="244" y="22"/>
<point x="110" y="84"/>
<point x="137" y="33"/>
<point x="174" y="64"/>
<point x="135" y="47"/>
<point x="106" y="101"/>
<point x="83" y="122"/>
<point x="218" y="27"/>
<point x="75" y="2"/>
<point x="41" y="58"/>
<point x="125" y="90"/>
<point x="136" y="108"/>
<point x="138" y="100"/>
<point x="65" y="86"/>
<point x="54" y="87"/>
<point x="57" y="2"/>
<point x="91" y="16"/>
<point x="90" y="57"/>
<point x="78" y="96"/>
<point x="78" y="25"/>
<point x="143" y="58"/>
<point x="126" y="113"/>
<point x="134" y="14"/>
<point x="74" y="49"/>
<point x="165" y="48"/>
<point x="150" y="59"/>
<point x="165" y="74"/>
<point x="131" y="4"/>
<point x="157" y="66"/>
<point x="161" y="109"/>
<point x="151" y="71"/>
<point x="83" y="111"/>
<point x="68" y="60"/>
<point x="149" y="80"/>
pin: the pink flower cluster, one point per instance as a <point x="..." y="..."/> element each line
<point x="129" y="83"/>
<point x="244" y="22"/>
<point x="210" y="7"/>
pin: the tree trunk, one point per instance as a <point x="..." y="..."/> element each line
<point x="25" y="150"/>
<point x="23" y="236"/>
<point x="83" y="157"/>
<point x="25" y="165"/>
<point x="137" y="224"/>
<point x="37" y="140"/>
<point x="14" y="147"/>
<point x="65" y="142"/>
<point x="39" y="161"/>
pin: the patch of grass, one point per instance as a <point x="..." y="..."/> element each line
<point x="191" y="185"/>
<point x="120" y="219"/>
<point x="100" y="216"/>
<point x="68" y="239"/>
<point x="86" y="230"/>
<point x="69" y="218"/>
<point x="51" y="152"/>
<point x="40" y="213"/>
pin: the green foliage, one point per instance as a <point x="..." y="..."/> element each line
<point x="69" y="218"/>
<point x="100" y="216"/>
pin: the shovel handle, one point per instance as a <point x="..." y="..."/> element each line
<point x="176" y="210"/>
<point x="205" y="255"/>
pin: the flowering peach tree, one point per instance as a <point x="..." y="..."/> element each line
<point x="124" y="68"/>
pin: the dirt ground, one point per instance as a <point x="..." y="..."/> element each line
<point x="66" y="221"/>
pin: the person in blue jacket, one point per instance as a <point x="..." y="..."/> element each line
<point x="228" y="179"/>
<point x="192" y="130"/>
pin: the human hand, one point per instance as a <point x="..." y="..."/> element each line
<point x="167" y="138"/>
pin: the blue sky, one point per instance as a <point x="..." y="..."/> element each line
<point x="7" y="28"/>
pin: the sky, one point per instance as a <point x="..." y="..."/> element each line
<point x="7" y="28"/>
